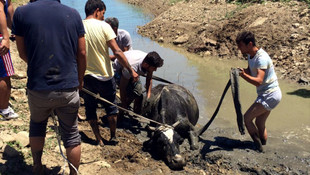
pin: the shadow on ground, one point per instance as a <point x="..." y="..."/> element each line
<point x="16" y="164"/>
<point x="224" y="143"/>
<point x="305" y="93"/>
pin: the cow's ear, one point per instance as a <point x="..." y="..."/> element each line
<point x="178" y="138"/>
<point x="181" y="140"/>
<point x="147" y="145"/>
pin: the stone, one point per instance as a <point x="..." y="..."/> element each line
<point x="63" y="149"/>
<point x="1" y="143"/>
<point x="103" y="164"/>
<point x="22" y="138"/>
<point x="207" y="53"/>
<point x="259" y="21"/>
<point x="296" y="25"/>
<point x="303" y="80"/>
<point x="7" y="138"/>
<point x="19" y="76"/>
<point x="181" y="40"/>
<point x="210" y="42"/>
<point x="294" y="36"/>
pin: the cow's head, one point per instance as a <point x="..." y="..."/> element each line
<point x="165" y="144"/>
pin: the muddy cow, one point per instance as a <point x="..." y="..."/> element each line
<point x="171" y="104"/>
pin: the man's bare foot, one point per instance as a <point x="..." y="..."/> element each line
<point x="263" y="141"/>
<point x="100" y="143"/>
<point x="113" y="141"/>
<point x="258" y="145"/>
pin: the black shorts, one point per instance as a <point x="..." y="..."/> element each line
<point x="106" y="90"/>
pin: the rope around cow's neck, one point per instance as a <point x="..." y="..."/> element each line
<point x="97" y="96"/>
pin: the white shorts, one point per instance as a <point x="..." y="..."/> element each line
<point x="270" y="100"/>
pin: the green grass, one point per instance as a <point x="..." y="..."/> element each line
<point x="262" y="1"/>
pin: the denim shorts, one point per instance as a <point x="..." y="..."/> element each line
<point x="134" y="89"/>
<point x="270" y="100"/>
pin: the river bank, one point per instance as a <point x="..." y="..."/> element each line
<point x="209" y="28"/>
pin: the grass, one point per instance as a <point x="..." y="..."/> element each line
<point x="262" y="1"/>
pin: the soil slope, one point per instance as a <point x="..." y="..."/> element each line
<point x="209" y="28"/>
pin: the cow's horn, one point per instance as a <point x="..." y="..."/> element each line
<point x="150" y="128"/>
<point x="176" y="124"/>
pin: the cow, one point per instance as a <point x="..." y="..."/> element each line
<point x="171" y="104"/>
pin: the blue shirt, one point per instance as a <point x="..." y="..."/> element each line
<point x="51" y="31"/>
<point x="261" y="60"/>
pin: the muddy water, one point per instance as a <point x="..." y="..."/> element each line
<point x="206" y="78"/>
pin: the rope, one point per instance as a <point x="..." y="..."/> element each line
<point x="59" y="144"/>
<point x="233" y="81"/>
<point x="202" y="130"/>
<point x="159" y="79"/>
<point x="97" y="96"/>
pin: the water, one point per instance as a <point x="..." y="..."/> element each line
<point x="177" y="68"/>
<point x="206" y="79"/>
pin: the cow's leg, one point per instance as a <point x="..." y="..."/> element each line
<point x="193" y="140"/>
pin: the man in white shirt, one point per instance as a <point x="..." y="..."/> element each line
<point x="123" y="38"/>
<point x="143" y="64"/>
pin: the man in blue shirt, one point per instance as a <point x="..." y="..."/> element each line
<point x="50" y="39"/>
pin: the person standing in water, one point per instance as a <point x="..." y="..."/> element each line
<point x="260" y="72"/>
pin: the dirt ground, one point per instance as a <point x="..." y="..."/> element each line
<point x="220" y="151"/>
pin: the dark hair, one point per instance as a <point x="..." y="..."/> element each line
<point x="30" y="1"/>
<point x="153" y="59"/>
<point x="112" y="21"/>
<point x="92" y="5"/>
<point x="246" y="37"/>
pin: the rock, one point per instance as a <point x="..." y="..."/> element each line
<point x="7" y="138"/>
<point x="181" y="40"/>
<point x="10" y="151"/>
<point x="303" y="80"/>
<point x="22" y="138"/>
<point x="18" y="94"/>
<point x="224" y="51"/>
<point x="1" y="143"/>
<point x="19" y="76"/>
<point x="201" y="172"/>
<point x="296" y="25"/>
<point x="161" y="39"/>
<point x="294" y="36"/>
<point x="63" y="149"/>
<point x="207" y="53"/>
<point x="258" y="21"/>
<point x="304" y="13"/>
<point x="18" y="122"/>
<point x="210" y="42"/>
<point x="103" y="164"/>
